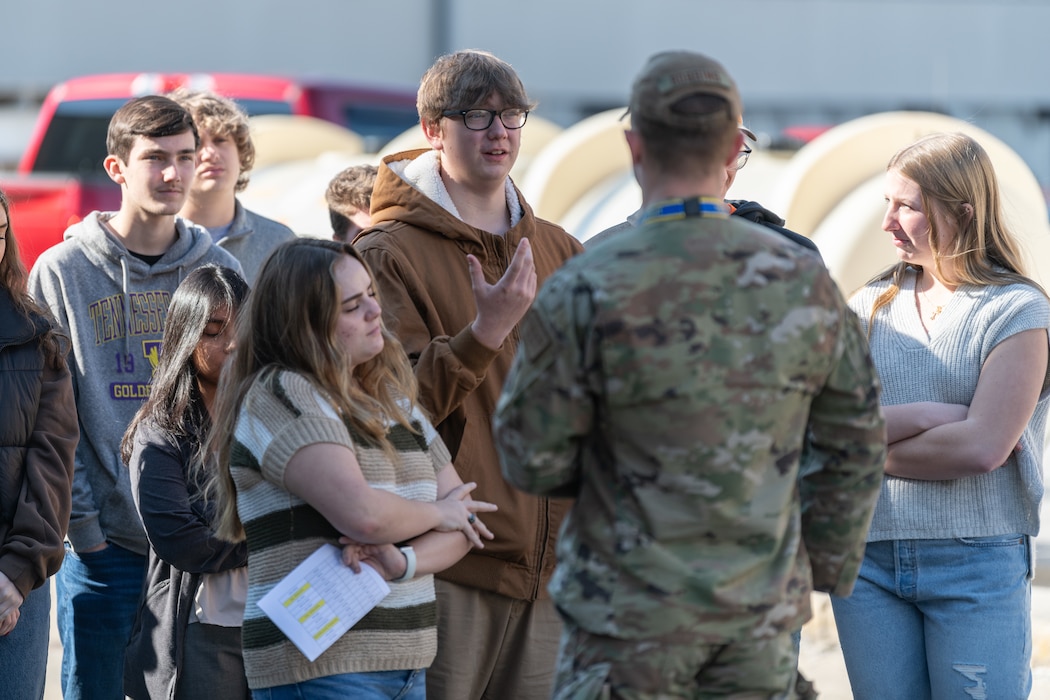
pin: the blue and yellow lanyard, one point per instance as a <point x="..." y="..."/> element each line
<point x="673" y="210"/>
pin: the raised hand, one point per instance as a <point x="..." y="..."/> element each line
<point x="501" y="305"/>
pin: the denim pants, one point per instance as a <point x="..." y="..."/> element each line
<point x="98" y="598"/>
<point x="940" y="619"/>
<point x="23" y="652"/>
<point x="374" y="685"/>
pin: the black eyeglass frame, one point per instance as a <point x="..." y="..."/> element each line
<point x="741" y="158"/>
<point x="493" y="113"/>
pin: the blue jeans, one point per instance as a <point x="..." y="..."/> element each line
<point x="940" y="619"/>
<point x="23" y="652"/>
<point x="98" y="597"/>
<point x="374" y="685"/>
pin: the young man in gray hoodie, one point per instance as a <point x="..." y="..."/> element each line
<point x="224" y="163"/>
<point x="108" y="284"/>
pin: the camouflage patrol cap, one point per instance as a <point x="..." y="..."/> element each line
<point x="671" y="76"/>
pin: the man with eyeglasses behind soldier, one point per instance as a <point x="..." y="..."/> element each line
<point x="457" y="255"/>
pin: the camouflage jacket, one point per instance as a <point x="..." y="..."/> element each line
<point x="673" y="380"/>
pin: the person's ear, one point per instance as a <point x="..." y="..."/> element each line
<point x="432" y="132"/>
<point x="634" y="144"/>
<point x="738" y="145"/>
<point x="114" y="168"/>
<point x="967" y="214"/>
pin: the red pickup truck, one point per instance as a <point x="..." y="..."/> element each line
<point x="60" y="178"/>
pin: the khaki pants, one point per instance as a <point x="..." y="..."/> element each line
<point x="491" y="647"/>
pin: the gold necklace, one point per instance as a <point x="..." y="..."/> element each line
<point x="937" y="308"/>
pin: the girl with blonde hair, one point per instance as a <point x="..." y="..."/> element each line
<point x="959" y="335"/>
<point x="319" y="439"/>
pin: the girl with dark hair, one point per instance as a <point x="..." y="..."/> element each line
<point x="186" y="642"/>
<point x="318" y="439"/>
<point x="38" y="439"/>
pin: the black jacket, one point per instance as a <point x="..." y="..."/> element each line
<point x="753" y="211"/>
<point x="182" y="547"/>
<point x="38" y="438"/>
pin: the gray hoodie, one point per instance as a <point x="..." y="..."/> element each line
<point x="252" y="238"/>
<point x="113" y="306"/>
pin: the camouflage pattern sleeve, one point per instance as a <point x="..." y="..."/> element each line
<point x="845" y="454"/>
<point x="546" y="411"/>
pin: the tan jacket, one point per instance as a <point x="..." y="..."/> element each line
<point x="417" y="251"/>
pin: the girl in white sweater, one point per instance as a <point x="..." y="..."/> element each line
<point x="959" y="337"/>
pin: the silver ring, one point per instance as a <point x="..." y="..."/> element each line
<point x="472" y="518"/>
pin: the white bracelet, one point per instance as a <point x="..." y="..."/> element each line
<point x="410" y="565"/>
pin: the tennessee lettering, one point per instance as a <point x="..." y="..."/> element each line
<point x="147" y="313"/>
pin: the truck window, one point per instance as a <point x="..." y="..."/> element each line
<point x="378" y="125"/>
<point x="75" y="141"/>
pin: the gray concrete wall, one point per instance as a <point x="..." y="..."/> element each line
<point x="797" y="61"/>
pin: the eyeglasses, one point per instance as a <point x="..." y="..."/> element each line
<point x="481" y="119"/>
<point x="741" y="158"/>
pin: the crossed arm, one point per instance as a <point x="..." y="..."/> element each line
<point x="328" y="477"/>
<point x="435" y="550"/>
<point x="934" y="441"/>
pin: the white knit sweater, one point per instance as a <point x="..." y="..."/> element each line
<point x="945" y="367"/>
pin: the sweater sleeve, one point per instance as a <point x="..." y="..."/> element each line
<point x="298" y="417"/>
<point x="84" y="528"/>
<point x="439" y="454"/>
<point x="1020" y="308"/>
<point x="33" y="548"/>
<point x="177" y="533"/>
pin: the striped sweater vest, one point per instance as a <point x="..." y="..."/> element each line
<point x="282" y="413"/>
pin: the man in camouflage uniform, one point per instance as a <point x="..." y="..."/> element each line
<point x="672" y="380"/>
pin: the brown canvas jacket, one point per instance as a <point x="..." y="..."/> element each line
<point x="417" y="251"/>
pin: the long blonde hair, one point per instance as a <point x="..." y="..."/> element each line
<point x="290" y="325"/>
<point x="953" y="170"/>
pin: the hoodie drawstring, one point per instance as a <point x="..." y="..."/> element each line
<point x="127" y="304"/>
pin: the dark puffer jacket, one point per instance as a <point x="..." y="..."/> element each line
<point x="38" y="437"/>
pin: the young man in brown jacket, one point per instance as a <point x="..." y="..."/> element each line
<point x="457" y="255"/>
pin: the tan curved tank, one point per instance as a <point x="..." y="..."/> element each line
<point x="581" y="177"/>
<point x="832" y="188"/>
<point x="280" y="138"/>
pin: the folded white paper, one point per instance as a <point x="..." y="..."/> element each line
<point x="321" y="599"/>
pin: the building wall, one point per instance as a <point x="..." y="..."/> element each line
<point x="797" y="61"/>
